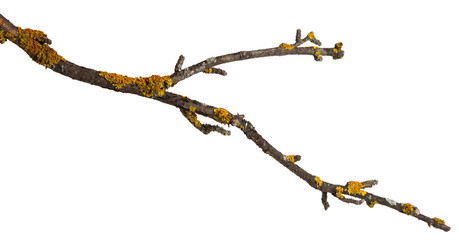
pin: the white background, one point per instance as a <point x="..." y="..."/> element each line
<point x="81" y="162"/>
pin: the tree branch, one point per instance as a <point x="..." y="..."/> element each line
<point x="36" y="45"/>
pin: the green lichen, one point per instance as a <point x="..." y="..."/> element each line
<point x="222" y="116"/>
<point x="34" y="43"/>
<point x="154" y="85"/>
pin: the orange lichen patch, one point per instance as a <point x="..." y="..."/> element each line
<point x="286" y="46"/>
<point x="318" y="181"/>
<point x="191" y="116"/>
<point x="290" y="158"/>
<point x="311" y="35"/>
<point x="353" y="188"/>
<point x="407" y="208"/>
<point x="209" y="70"/>
<point x="6" y="36"/>
<point x="154" y="85"/>
<point x="339" y="45"/>
<point x="313" y="47"/>
<point x="34" y="43"/>
<point x="222" y="116"/>
<point x="372" y="204"/>
<point x="440" y="221"/>
<point x="317" y="54"/>
<point x="339" y="192"/>
<point x="337" y="49"/>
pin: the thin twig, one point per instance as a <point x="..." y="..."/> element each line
<point x="178" y="65"/>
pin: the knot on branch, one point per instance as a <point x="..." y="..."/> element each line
<point x="154" y="85"/>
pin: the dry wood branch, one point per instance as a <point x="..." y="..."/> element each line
<point x="178" y="65"/>
<point x="324" y="201"/>
<point x="35" y="43"/>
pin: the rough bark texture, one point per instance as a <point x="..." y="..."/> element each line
<point x="35" y="43"/>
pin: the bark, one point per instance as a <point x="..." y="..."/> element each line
<point x="36" y="44"/>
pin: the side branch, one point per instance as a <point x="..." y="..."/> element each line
<point x="245" y="55"/>
<point x="353" y="189"/>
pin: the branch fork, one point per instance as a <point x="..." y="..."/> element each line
<point x="35" y="43"/>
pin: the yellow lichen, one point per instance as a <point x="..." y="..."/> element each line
<point x="439" y="221"/>
<point x="407" y="208"/>
<point x="372" y="204"/>
<point x="353" y="188"/>
<point x="148" y="86"/>
<point x="311" y="35"/>
<point x="317" y="54"/>
<point x="222" y="116"/>
<point x="209" y="70"/>
<point x="290" y="158"/>
<point x="286" y="46"/>
<point x="191" y="116"/>
<point x="313" y="47"/>
<point x="34" y="43"/>
<point x="6" y="36"/>
<point x="339" y="45"/>
<point x="337" y="49"/>
<point x="3" y="38"/>
<point x="339" y="192"/>
<point x="318" y="181"/>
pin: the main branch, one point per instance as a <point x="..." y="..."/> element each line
<point x="36" y="44"/>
